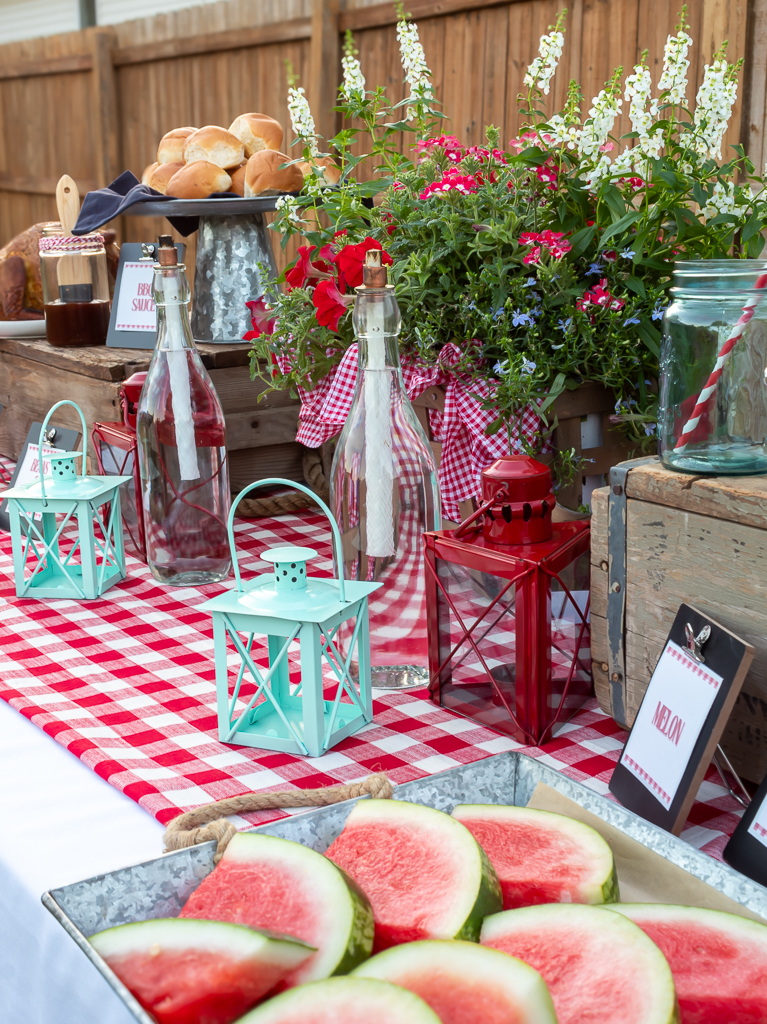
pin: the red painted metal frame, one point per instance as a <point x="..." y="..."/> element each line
<point x="530" y="569"/>
<point x="117" y="435"/>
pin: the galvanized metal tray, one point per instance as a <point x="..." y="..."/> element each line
<point x="160" y="887"/>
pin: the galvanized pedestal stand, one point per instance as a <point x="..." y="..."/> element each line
<point x="234" y="261"/>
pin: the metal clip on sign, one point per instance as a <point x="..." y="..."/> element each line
<point x="286" y="606"/>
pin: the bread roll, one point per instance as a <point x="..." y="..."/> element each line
<point x="257" y="132"/>
<point x="171" y="145"/>
<point x="197" y="180"/>
<point x="264" y="176"/>
<point x="215" y="145"/>
<point x="330" y="171"/>
<point x="161" y="175"/>
<point x="147" y="173"/>
<point x="238" y="181"/>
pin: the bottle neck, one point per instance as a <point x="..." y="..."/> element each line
<point x="171" y="296"/>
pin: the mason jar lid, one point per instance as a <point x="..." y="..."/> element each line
<point x="724" y="280"/>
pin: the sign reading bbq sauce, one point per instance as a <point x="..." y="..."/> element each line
<point x="747" y="849"/>
<point x="681" y="718"/>
<point x="135" y="305"/>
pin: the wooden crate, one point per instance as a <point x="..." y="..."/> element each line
<point x="34" y="376"/>
<point x="583" y="423"/>
<point x="697" y="539"/>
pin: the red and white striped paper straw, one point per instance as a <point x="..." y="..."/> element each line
<point x="721" y="360"/>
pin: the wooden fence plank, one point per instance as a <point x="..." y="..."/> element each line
<point x="324" y="66"/>
<point x="49" y="66"/>
<point x="379" y="15"/>
<point x="30" y="184"/>
<point x="104" y="120"/>
<point x="216" y="42"/>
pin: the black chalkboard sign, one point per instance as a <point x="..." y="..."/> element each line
<point x="132" y="289"/>
<point x="747" y="849"/>
<point x="682" y="716"/>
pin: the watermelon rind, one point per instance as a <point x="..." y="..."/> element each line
<point x="181" y="968"/>
<point x="601" y="886"/>
<point x="629" y="983"/>
<point x="478" y="893"/>
<point x="348" y="1000"/>
<point x="348" y="930"/>
<point x="435" y="969"/>
<point x="720" y="969"/>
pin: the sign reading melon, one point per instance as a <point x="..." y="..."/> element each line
<point x="674" y="710"/>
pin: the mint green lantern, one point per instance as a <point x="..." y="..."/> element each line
<point x="96" y="559"/>
<point x="288" y="605"/>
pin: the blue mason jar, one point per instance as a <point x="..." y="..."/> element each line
<point x="709" y="298"/>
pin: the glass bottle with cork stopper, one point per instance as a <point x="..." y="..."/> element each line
<point x="181" y="444"/>
<point x="384" y="491"/>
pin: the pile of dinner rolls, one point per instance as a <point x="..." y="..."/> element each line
<point x="244" y="159"/>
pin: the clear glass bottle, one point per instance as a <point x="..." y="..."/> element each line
<point x="384" y="492"/>
<point x="181" y="444"/>
<point x="709" y="298"/>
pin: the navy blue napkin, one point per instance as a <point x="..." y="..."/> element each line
<point x="104" y="204"/>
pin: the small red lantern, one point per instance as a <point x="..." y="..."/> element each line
<point x="507" y="595"/>
<point x="116" y="451"/>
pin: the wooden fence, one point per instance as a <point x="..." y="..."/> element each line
<point x="95" y="102"/>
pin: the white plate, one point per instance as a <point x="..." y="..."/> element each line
<point x="22" y="328"/>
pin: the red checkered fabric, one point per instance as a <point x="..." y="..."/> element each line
<point x="126" y="684"/>
<point x="6" y="471"/>
<point x="466" y="448"/>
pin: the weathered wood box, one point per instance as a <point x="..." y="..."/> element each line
<point x="34" y="376"/>
<point x="659" y="538"/>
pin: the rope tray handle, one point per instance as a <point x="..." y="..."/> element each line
<point x="209" y="821"/>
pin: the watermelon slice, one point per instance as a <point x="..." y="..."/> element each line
<point x="340" y="1000"/>
<point x="425" y="874"/>
<point x="284" y="887"/>
<point x="541" y="857"/>
<point x="197" y="972"/>
<point x="596" y="973"/>
<point x="464" y="983"/>
<point x="719" y="961"/>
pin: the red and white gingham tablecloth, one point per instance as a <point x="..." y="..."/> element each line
<point x="126" y="684"/>
<point x="466" y="448"/>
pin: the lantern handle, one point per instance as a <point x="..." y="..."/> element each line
<point x="270" y="482"/>
<point x="51" y="411"/>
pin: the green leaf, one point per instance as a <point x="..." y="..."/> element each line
<point x="619" y="226"/>
<point x="636" y="285"/>
<point x="581" y="240"/>
<point x="650" y="337"/>
<point x="614" y="200"/>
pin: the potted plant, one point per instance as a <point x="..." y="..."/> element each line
<point x="544" y="264"/>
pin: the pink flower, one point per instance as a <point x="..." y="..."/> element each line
<point x="452" y="180"/>
<point x="607" y="147"/>
<point x="452" y="148"/>
<point x="548" y="173"/>
<point x="329" y="303"/>
<point x="260" y="318"/>
<point x="533" y="256"/>
<point x="531" y="138"/>
<point x="599" y="296"/>
<point x="611" y="256"/>
<point x="554" y="242"/>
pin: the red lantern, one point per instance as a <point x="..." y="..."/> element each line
<point x="116" y="451"/>
<point x="507" y="595"/>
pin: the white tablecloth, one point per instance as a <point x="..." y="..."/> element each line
<point x="59" y="823"/>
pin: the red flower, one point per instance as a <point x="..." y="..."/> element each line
<point x="260" y="318"/>
<point x="533" y="256"/>
<point x="351" y="258"/>
<point x="304" y="269"/>
<point x="611" y="256"/>
<point x="548" y="172"/>
<point x="329" y="303"/>
<point x="554" y="242"/>
<point x="390" y="223"/>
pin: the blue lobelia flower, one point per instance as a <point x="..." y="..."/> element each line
<point x="564" y="325"/>
<point x="628" y="254"/>
<point x="518" y="317"/>
<point x="651" y="429"/>
<point x="531" y="282"/>
<point x="595" y="268"/>
<point x="657" y="313"/>
<point x="528" y="366"/>
<point x="631" y="320"/>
